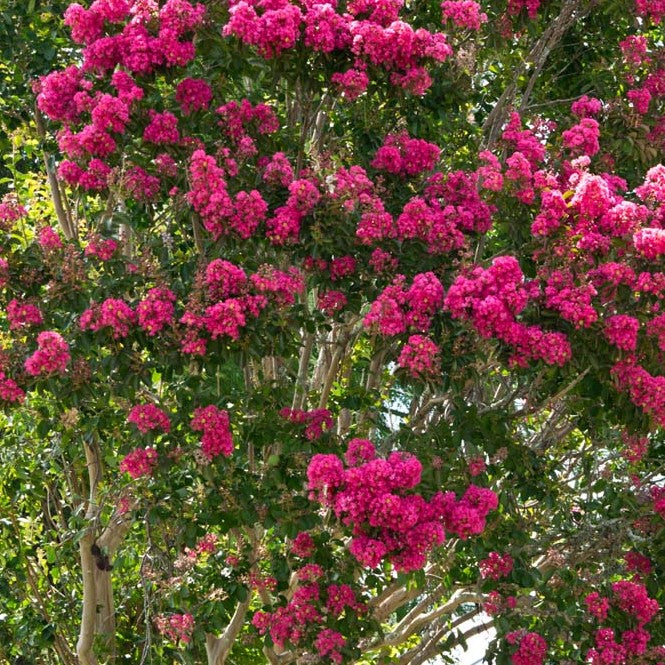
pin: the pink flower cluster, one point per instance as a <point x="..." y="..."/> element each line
<point x="496" y="603"/>
<point x="459" y="191"/>
<point x="224" y="279"/>
<point x="139" y="462"/>
<point x="148" y="417"/>
<point x="658" y="497"/>
<point x="476" y="466"/>
<point x="220" y="213"/>
<point x="341" y="267"/>
<point x="421" y="358"/>
<point x="635" y="447"/>
<point x="271" y="32"/>
<point x="10" y="211"/>
<point x="278" y="170"/>
<point x="352" y="83"/>
<point x="9" y="390"/>
<point x="250" y="296"/>
<point x="621" y="330"/>
<point x="381" y="39"/>
<point x="463" y="13"/>
<point x="496" y="566"/>
<point x="20" y="314"/>
<point x="303" y="545"/>
<point x="214" y="423"/>
<point x="156" y="310"/>
<point x="139" y="39"/>
<point x="290" y="622"/>
<point x="103" y="249"/>
<point x="317" y="421"/>
<point x="330" y="302"/>
<point x="140" y="185"/>
<point x="136" y="47"/>
<point x="640" y="98"/>
<point x="582" y="139"/>
<point x="49" y="239"/>
<point x="112" y="313"/>
<point x="638" y="563"/>
<point x="574" y="302"/>
<point x="57" y="94"/>
<point x="653" y="188"/>
<point x="634" y="48"/>
<point x="397" y="308"/>
<point x="341" y="596"/>
<point x="388" y="521"/>
<point x="491" y="299"/>
<point x="404" y="156"/>
<point x="653" y="9"/>
<point x="427" y="221"/>
<point x="650" y="242"/>
<point x="51" y="357"/>
<point x="303" y="196"/>
<point x="531" y="648"/>
<point x="176" y="627"/>
<point x="523" y="141"/>
<point x="300" y="618"/>
<point x="328" y="643"/>
<point x="645" y="390"/>
<point x="205" y="545"/>
<point x="238" y="117"/>
<point x="586" y="106"/>
<point x="193" y="95"/>
<point x="632" y="598"/>
<point x="597" y="605"/>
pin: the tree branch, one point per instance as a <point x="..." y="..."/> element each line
<point x="571" y="11"/>
<point x="88" y="564"/>
<point x="63" y="218"/>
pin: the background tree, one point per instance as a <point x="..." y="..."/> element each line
<point x="334" y="325"/>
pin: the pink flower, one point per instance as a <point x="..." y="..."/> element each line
<point x="328" y="642"/>
<point x="463" y="13"/>
<point x="420" y="356"/>
<point x="621" y="330"/>
<point x="49" y="239"/>
<point x="215" y="426"/>
<point x="162" y="128"/>
<point x="193" y="95"/>
<point x="155" y="311"/>
<point x="405" y="156"/>
<point x="148" y="417"/>
<point x="330" y="302"/>
<point x="303" y="545"/>
<point x="476" y="466"/>
<point x="20" y="314"/>
<point x="140" y="462"/>
<point x="9" y="390"/>
<point x="51" y="356"/>
<point x="176" y="627"/>
<point x="496" y="566"/>
<point x="352" y="83"/>
<point x="531" y="650"/>
<point x="103" y="249"/>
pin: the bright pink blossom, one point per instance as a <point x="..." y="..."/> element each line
<point x="215" y="426"/>
<point x="140" y="462"/>
<point x="148" y="417"/>
<point x="51" y="357"/>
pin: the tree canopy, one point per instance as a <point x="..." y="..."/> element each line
<point x="328" y="328"/>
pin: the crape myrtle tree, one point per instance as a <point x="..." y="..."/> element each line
<point x="331" y="327"/>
